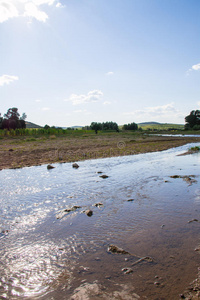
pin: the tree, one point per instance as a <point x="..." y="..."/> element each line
<point x="46" y="127"/>
<point x="104" y="126"/>
<point x="12" y="114"/>
<point x="23" y="117"/>
<point x="96" y="126"/>
<point x="1" y="122"/>
<point x="131" y="126"/>
<point x="192" y="119"/>
<point x="12" y="119"/>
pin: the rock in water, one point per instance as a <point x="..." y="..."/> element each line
<point x="75" y="165"/>
<point x="115" y="249"/>
<point x="49" y="167"/>
<point x="98" y="204"/>
<point x="89" y="212"/>
<point x="104" y="176"/>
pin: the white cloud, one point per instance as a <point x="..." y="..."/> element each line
<point x="25" y="8"/>
<point x="37" y="100"/>
<point x="40" y="2"/>
<point x="92" y="96"/>
<point x="196" y="67"/>
<point x="7" y="11"/>
<point x="163" y="110"/>
<point x="110" y="73"/>
<point x="45" y="108"/>
<point x="59" y="5"/>
<point x="31" y="10"/>
<point x="7" y="79"/>
<point x="193" y="68"/>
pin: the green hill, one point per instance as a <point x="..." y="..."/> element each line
<point x="32" y="125"/>
<point x="160" y="126"/>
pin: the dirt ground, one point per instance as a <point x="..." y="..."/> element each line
<point x="18" y="152"/>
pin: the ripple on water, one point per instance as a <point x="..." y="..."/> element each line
<point x="46" y="257"/>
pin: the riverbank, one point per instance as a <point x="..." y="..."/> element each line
<point x="18" y="152"/>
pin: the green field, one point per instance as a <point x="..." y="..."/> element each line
<point x="160" y="126"/>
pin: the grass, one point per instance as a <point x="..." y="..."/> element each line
<point x="194" y="149"/>
<point x="161" y="127"/>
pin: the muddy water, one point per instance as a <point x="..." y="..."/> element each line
<point x="46" y="253"/>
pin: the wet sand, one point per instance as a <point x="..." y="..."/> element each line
<point x="21" y="152"/>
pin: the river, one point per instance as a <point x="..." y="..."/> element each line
<point x="47" y="252"/>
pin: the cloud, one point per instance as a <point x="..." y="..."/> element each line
<point x="196" y="67"/>
<point x="7" y="79"/>
<point x="106" y="103"/>
<point x="92" y="96"/>
<point x="45" y="108"/>
<point x="193" y="68"/>
<point x="40" y="2"/>
<point x="25" y="8"/>
<point x="59" y="5"/>
<point x="163" y="110"/>
<point x="31" y="10"/>
<point x="37" y="100"/>
<point x="7" y="11"/>
<point x="110" y="73"/>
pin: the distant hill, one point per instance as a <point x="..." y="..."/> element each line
<point x="149" y="123"/>
<point x="76" y="127"/>
<point x="73" y="127"/>
<point x="32" y="125"/>
<point x="160" y="126"/>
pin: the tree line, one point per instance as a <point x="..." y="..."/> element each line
<point x="12" y="120"/>
<point x="112" y="126"/>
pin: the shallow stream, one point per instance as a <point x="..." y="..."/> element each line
<point x="48" y="253"/>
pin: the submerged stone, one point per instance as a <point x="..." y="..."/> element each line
<point x="65" y="211"/>
<point x="117" y="250"/>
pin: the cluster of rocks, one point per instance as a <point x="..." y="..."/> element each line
<point x="66" y="211"/>
<point x="127" y="270"/>
<point x="189" y="179"/>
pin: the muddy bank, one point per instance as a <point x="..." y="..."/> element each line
<point x="20" y="152"/>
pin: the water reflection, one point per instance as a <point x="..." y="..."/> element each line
<point x="46" y="257"/>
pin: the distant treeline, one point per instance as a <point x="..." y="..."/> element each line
<point x="112" y="126"/>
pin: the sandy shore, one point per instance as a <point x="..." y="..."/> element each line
<point x="20" y="152"/>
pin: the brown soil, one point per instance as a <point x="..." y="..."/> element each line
<point x="20" y="152"/>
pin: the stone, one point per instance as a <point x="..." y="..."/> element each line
<point x="104" y="176"/>
<point x="127" y="270"/>
<point x="89" y="212"/>
<point x="98" y="204"/>
<point x="49" y="167"/>
<point x="117" y="250"/>
<point x="75" y="165"/>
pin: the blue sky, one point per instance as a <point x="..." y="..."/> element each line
<point x="71" y="62"/>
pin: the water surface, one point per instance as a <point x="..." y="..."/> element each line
<point x="46" y="254"/>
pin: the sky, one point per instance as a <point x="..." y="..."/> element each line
<point x="73" y="62"/>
